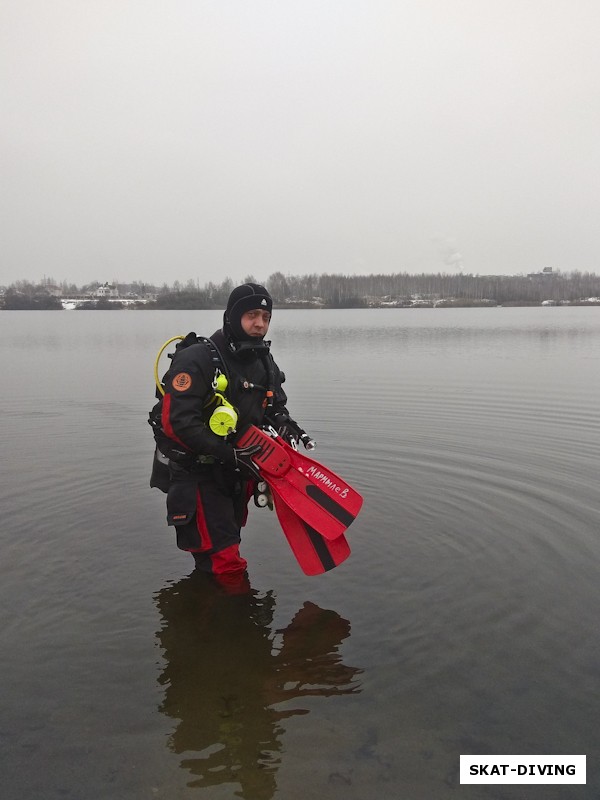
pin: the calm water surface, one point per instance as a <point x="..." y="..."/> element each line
<point x="465" y="621"/>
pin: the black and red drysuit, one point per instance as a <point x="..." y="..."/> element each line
<point x="207" y="495"/>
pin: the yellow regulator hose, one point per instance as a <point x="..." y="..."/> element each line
<point x="160" y="352"/>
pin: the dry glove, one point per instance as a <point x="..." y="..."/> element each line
<point x="243" y="461"/>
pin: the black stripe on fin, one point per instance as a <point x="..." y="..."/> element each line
<point x="320" y="545"/>
<point x="329" y="504"/>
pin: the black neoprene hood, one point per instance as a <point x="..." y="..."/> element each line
<point x="245" y="298"/>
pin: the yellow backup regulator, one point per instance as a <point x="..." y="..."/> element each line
<point x="224" y="418"/>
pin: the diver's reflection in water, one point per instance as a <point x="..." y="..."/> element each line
<point x="226" y="668"/>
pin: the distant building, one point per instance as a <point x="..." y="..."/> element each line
<point x="545" y="273"/>
<point x="106" y="290"/>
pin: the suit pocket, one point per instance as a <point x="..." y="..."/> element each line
<point x="181" y="502"/>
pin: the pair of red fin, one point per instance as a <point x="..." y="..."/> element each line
<point x="313" y="504"/>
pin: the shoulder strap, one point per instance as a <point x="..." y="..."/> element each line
<point x="217" y="359"/>
<point x="193" y="338"/>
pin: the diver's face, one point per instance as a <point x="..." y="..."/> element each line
<point x="256" y="322"/>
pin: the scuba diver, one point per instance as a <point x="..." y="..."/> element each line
<point x="213" y="387"/>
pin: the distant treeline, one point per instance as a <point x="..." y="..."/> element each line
<point x="335" y="291"/>
<point x="36" y="301"/>
<point x="343" y="290"/>
<point x="359" y="291"/>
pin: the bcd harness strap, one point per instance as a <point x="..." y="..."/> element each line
<point x="263" y="352"/>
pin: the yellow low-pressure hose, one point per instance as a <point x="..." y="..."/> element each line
<point x="160" y="352"/>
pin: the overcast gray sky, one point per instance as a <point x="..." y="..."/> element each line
<point x="162" y="141"/>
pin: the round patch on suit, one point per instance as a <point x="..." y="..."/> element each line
<point x="182" y="381"/>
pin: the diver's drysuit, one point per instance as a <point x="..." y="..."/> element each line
<point x="206" y="495"/>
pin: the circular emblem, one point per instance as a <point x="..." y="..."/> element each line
<point x="182" y="381"/>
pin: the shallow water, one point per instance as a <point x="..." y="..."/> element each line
<point x="465" y="620"/>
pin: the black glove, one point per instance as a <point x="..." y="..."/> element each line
<point x="290" y="431"/>
<point x="242" y="457"/>
<point x="290" y="436"/>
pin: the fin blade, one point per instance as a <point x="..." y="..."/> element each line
<point x="313" y="552"/>
<point x="325" y="479"/>
<point x="294" y="490"/>
<point x="322" y="499"/>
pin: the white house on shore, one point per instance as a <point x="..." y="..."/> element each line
<point x="106" y="290"/>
